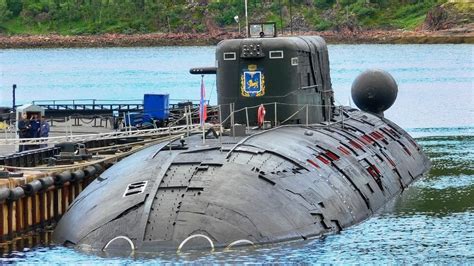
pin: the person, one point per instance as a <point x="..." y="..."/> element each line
<point x="34" y="130"/>
<point x="44" y="130"/>
<point x="23" y="130"/>
<point x="35" y="126"/>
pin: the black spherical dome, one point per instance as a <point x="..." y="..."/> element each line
<point x="374" y="91"/>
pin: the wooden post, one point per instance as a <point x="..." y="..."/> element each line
<point x="19" y="216"/>
<point x="56" y="206"/>
<point x="64" y="193"/>
<point x="2" y="221"/>
<point x="10" y="218"/>
<point x="70" y="195"/>
<point x="76" y="189"/>
<point x="42" y="209"/>
<point x="36" y="216"/>
<point x="25" y="212"/>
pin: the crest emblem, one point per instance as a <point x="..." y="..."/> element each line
<point x="252" y="82"/>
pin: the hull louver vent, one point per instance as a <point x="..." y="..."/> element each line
<point x="135" y="188"/>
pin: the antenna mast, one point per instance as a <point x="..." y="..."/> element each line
<point x="246" y="20"/>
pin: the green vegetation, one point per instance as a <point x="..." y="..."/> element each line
<point x="76" y="17"/>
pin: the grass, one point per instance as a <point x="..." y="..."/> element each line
<point x="396" y="16"/>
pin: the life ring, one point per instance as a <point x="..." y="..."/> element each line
<point x="261" y="115"/>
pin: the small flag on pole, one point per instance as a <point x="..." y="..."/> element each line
<point x="202" y="103"/>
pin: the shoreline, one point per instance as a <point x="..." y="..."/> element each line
<point x="453" y="36"/>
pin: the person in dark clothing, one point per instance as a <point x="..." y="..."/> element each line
<point x="44" y="130"/>
<point x="35" y="126"/>
<point x="34" y="129"/>
<point x="23" y="130"/>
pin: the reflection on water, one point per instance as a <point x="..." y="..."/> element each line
<point x="432" y="222"/>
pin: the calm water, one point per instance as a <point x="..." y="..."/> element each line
<point x="433" y="221"/>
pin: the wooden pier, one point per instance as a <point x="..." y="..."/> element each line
<point x="34" y="198"/>
<point x="34" y="202"/>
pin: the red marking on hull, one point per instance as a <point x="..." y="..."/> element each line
<point x="376" y="135"/>
<point x="371" y="172"/>
<point x="376" y="169"/>
<point x="355" y="144"/>
<point x="332" y="156"/>
<point x="322" y="159"/>
<point x="367" y="139"/>
<point x="343" y="150"/>
<point x="391" y="162"/>
<point x="407" y="151"/>
<point x="313" y="163"/>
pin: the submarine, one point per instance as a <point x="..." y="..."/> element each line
<point x="289" y="164"/>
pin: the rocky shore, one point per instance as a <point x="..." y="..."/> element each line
<point x="456" y="35"/>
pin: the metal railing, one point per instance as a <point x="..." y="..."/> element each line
<point x="189" y="115"/>
<point x="276" y="120"/>
<point x="103" y="102"/>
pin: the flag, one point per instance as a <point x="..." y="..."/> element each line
<point x="202" y="104"/>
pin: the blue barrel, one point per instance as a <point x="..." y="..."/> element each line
<point x="156" y="105"/>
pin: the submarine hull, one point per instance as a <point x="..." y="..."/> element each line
<point x="289" y="182"/>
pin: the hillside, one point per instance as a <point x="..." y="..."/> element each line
<point x="214" y="17"/>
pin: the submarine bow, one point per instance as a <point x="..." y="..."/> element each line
<point x="292" y="182"/>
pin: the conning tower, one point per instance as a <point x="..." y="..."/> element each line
<point x="263" y="69"/>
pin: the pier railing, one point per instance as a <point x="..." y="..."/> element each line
<point x="187" y="121"/>
<point x="98" y="104"/>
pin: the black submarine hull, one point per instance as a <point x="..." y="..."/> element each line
<point x="289" y="182"/>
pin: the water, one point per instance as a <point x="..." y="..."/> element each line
<point x="436" y="82"/>
<point x="433" y="220"/>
